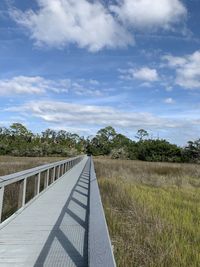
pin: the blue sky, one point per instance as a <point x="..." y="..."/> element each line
<point x="83" y="65"/>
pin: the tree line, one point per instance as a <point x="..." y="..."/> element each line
<point x="17" y="140"/>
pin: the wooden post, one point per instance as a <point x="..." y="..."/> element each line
<point x="54" y="174"/>
<point x="61" y="170"/>
<point x="46" y="179"/>
<point x="65" y="167"/>
<point x="22" y="193"/>
<point x="1" y="202"/>
<point x="58" y="171"/>
<point x="38" y="183"/>
<point x="35" y="184"/>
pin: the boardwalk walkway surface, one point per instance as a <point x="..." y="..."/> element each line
<point x="53" y="229"/>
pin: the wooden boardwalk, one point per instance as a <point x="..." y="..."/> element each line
<point x="53" y="229"/>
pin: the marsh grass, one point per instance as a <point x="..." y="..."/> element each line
<point x="9" y="165"/>
<point x="153" y="212"/>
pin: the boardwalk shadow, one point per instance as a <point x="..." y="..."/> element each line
<point x="67" y="244"/>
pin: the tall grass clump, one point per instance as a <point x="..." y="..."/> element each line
<point x="152" y="211"/>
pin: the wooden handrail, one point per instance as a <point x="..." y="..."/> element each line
<point x="100" y="249"/>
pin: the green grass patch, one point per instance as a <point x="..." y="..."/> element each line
<point x="153" y="219"/>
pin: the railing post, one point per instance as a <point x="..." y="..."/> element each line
<point x="54" y="174"/>
<point x="46" y="179"/>
<point x="38" y="183"/>
<point x="1" y="201"/>
<point x="22" y="193"/>
<point x="58" y="171"/>
<point x="35" y="184"/>
<point x="61" y="170"/>
<point x="65" y="167"/>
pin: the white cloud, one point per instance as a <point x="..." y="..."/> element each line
<point x="144" y="74"/>
<point x="24" y="85"/>
<point x="169" y="100"/>
<point x="150" y="13"/>
<point x="31" y="85"/>
<point x="187" y="69"/>
<point x="91" y="116"/>
<point x="96" y="25"/>
<point x="60" y="22"/>
<point x="85" y="89"/>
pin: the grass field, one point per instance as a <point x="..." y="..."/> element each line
<point x="10" y="164"/>
<point x="153" y="212"/>
<point x="152" y="209"/>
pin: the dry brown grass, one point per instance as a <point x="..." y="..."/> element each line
<point x="9" y="164"/>
<point x="153" y="211"/>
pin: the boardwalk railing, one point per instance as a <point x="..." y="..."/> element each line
<point x="100" y="252"/>
<point x="41" y="178"/>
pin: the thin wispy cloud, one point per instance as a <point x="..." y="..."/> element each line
<point x="57" y="112"/>
<point x="30" y="85"/>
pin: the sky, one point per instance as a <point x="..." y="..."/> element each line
<point x="86" y="64"/>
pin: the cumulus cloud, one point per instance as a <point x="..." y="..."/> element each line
<point x="60" y="22"/>
<point x="91" y="116"/>
<point x="150" y="14"/>
<point x="95" y="25"/>
<point x="187" y="69"/>
<point x="144" y="74"/>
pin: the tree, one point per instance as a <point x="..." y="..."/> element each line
<point x="141" y="134"/>
<point x="17" y="129"/>
<point x="192" y="151"/>
<point x="107" y="133"/>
